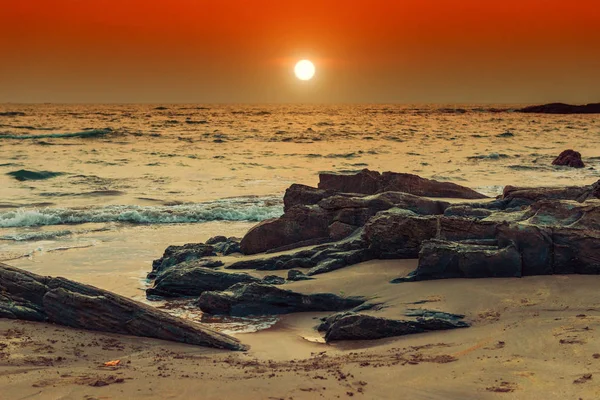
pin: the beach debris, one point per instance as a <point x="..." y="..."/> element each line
<point x="113" y="363"/>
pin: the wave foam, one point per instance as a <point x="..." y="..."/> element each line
<point x="238" y="209"/>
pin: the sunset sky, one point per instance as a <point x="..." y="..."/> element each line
<point x="236" y="51"/>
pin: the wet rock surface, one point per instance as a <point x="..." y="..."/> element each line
<point x="355" y="326"/>
<point x="261" y="299"/>
<point x="27" y="296"/>
<point x="192" y="280"/>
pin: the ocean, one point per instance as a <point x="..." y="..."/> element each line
<point x="96" y="192"/>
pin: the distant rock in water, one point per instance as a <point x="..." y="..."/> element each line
<point x="25" y="175"/>
<point x="569" y="158"/>
<point x="90" y="133"/>
<point x="562" y="108"/>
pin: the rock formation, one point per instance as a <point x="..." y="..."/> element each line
<point x="561" y="108"/>
<point x="569" y="158"/>
<point x="27" y="296"/>
<point x="260" y="299"/>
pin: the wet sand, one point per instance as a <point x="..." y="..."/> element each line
<point x="531" y="338"/>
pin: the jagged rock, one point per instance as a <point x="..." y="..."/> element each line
<point x="24" y="295"/>
<point x="572" y="214"/>
<point x="296" y="225"/>
<point x="259" y="299"/>
<point x="371" y="182"/>
<point x="397" y="233"/>
<point x="273" y="280"/>
<point x="302" y="195"/>
<point x="520" y="196"/>
<point x="352" y="326"/>
<point x="193" y="280"/>
<point x="295" y="275"/>
<point x="561" y="108"/>
<point x="456" y="228"/>
<point x="569" y="158"/>
<point x="440" y="259"/>
<point x="467" y="211"/>
<point x="216" y="239"/>
<point x="576" y="251"/>
<point x="534" y="244"/>
<point x="177" y="254"/>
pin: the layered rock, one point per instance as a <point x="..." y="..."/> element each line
<point x="371" y="182"/>
<point x="190" y="279"/>
<point x="27" y="296"/>
<point x="354" y="326"/>
<point x="260" y="299"/>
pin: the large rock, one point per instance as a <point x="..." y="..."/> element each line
<point x="398" y="233"/>
<point x="193" y="280"/>
<point x="569" y="158"/>
<point x="440" y="259"/>
<point x="352" y="326"/>
<point x="371" y="182"/>
<point x="174" y="255"/>
<point x="302" y="195"/>
<point x="298" y="224"/>
<point x="24" y="295"/>
<point x="561" y="108"/>
<point x="260" y="299"/>
<point x="525" y="196"/>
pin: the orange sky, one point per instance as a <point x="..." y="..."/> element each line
<point x="511" y="51"/>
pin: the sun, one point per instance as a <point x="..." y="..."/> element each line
<point x="304" y="70"/>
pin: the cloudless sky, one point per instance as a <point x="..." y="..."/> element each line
<point x="243" y="51"/>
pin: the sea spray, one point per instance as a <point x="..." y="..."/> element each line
<point x="233" y="209"/>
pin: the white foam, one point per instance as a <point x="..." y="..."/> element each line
<point x="235" y="209"/>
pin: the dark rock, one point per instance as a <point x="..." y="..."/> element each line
<point x="534" y="243"/>
<point x="191" y="280"/>
<point x="398" y="233"/>
<point x="339" y="230"/>
<point x="351" y="326"/>
<point x="216" y="239"/>
<point x="273" y="280"/>
<point x="302" y="195"/>
<point x="328" y="265"/>
<point x="12" y="114"/>
<point x="24" y="295"/>
<point x="569" y="158"/>
<point x="456" y="228"/>
<point x="259" y="299"/>
<point x="371" y="182"/>
<point x="520" y="196"/>
<point x="561" y="108"/>
<point x="576" y="251"/>
<point x="297" y="224"/>
<point x="177" y="254"/>
<point x="295" y="275"/>
<point x="442" y="260"/>
<point x="467" y="211"/>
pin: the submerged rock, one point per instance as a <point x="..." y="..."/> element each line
<point x="26" y="175"/>
<point x="569" y="158"/>
<point x="27" y="296"/>
<point x="193" y="280"/>
<point x="353" y="326"/>
<point x="260" y="299"/>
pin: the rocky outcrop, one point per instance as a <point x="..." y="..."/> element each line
<point x="561" y="108"/>
<point x="260" y="299"/>
<point x="569" y="158"/>
<point x="178" y="254"/>
<point x="331" y="218"/>
<point x="372" y="182"/>
<point x="27" y="296"/>
<point x="190" y="279"/>
<point x="353" y="326"/>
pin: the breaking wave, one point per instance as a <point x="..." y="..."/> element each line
<point x="236" y="209"/>
<point x="85" y="134"/>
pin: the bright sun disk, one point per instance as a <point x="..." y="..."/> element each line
<point x="304" y="70"/>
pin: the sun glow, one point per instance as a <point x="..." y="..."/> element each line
<point x="304" y="70"/>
